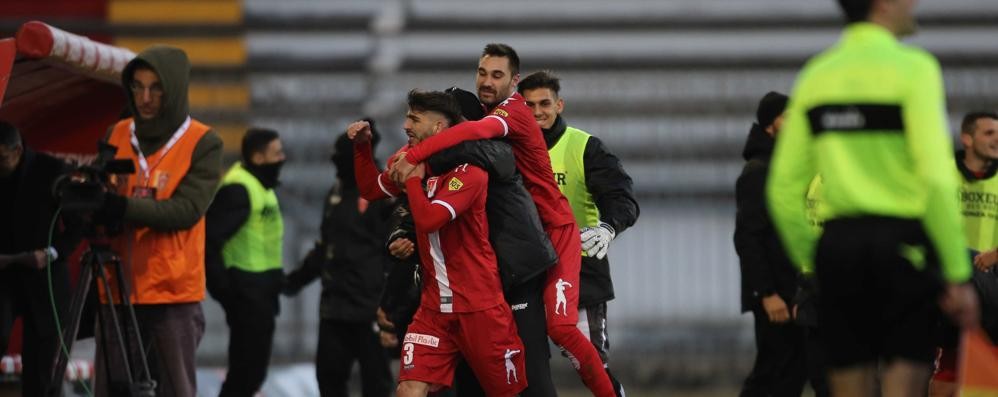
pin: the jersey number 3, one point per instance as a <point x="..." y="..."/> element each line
<point x="407" y="348"/>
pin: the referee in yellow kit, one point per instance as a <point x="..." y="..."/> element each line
<point x="868" y="115"/>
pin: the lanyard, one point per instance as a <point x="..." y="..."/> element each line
<point x="166" y="148"/>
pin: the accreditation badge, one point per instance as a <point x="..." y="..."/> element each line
<point x="144" y="192"/>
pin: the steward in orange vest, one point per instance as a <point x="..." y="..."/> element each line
<point x="179" y="164"/>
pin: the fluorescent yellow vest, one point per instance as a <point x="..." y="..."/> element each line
<point x="979" y="204"/>
<point x="257" y="246"/>
<point x="570" y="174"/>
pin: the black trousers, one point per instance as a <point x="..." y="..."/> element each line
<point x="251" y="336"/>
<point x="340" y="345"/>
<point x="780" y="367"/>
<point x="527" y="302"/>
<point x="24" y="292"/>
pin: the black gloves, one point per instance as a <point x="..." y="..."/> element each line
<point x="113" y="209"/>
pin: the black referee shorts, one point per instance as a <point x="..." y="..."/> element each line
<point x="879" y="283"/>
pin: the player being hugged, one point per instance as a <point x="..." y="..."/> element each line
<point x="462" y="311"/>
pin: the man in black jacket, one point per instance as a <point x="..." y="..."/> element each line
<point x="602" y="199"/>
<point x="769" y="280"/>
<point x="27" y="208"/>
<point x="351" y="261"/>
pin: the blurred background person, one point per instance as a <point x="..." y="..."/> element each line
<point x="31" y="239"/>
<point x="977" y="164"/>
<point x="769" y="280"/>
<point x="351" y="260"/>
<point x="244" y="246"/>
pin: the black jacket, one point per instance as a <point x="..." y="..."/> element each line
<point x="764" y="264"/>
<point x="522" y="247"/>
<point x="350" y="258"/>
<point x="612" y="191"/>
<point x="402" y="287"/>
<point x="228" y="212"/>
<point x="27" y="205"/>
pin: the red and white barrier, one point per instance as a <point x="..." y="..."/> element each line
<point x="38" y="40"/>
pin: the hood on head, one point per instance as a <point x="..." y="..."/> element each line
<point x="342" y="156"/>
<point x="758" y="143"/>
<point x="174" y="70"/>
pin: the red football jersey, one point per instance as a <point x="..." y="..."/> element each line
<point x="514" y="120"/>
<point x="459" y="267"/>
<point x="373" y="183"/>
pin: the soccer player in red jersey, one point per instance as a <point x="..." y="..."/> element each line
<point x="509" y="116"/>
<point x="462" y="311"/>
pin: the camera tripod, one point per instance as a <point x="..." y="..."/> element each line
<point x="124" y="331"/>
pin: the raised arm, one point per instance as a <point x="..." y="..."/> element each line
<point x="489" y="127"/>
<point x="372" y="182"/>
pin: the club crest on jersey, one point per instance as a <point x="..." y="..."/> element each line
<point x="454" y="184"/>
<point x="500" y="112"/>
<point x="431" y="186"/>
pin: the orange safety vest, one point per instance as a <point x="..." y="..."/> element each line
<point x="161" y="267"/>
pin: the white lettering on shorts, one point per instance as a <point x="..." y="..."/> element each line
<point x="420" y="339"/>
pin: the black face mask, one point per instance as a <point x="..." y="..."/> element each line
<point x="268" y="174"/>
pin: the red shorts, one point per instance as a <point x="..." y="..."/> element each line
<point x="561" y="291"/>
<point x="487" y="339"/>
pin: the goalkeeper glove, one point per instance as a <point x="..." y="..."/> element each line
<point x="596" y="240"/>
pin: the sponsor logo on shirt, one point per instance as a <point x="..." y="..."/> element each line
<point x="500" y="112"/>
<point x="519" y="306"/>
<point x="845" y="119"/>
<point x="979" y="204"/>
<point x="559" y="177"/>
<point x="510" y="367"/>
<point x="420" y="339"/>
<point x="454" y="184"/>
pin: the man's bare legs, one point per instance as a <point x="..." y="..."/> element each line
<point x="856" y="381"/>
<point x="905" y="378"/>
<point x="412" y="388"/>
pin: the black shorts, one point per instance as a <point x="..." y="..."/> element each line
<point x="875" y="302"/>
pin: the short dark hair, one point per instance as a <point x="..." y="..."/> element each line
<point x="435" y="101"/>
<point x="256" y="141"/>
<point x="856" y="10"/>
<point x="542" y="79"/>
<point x="10" y="137"/>
<point x="969" y="122"/>
<point x="503" y="50"/>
